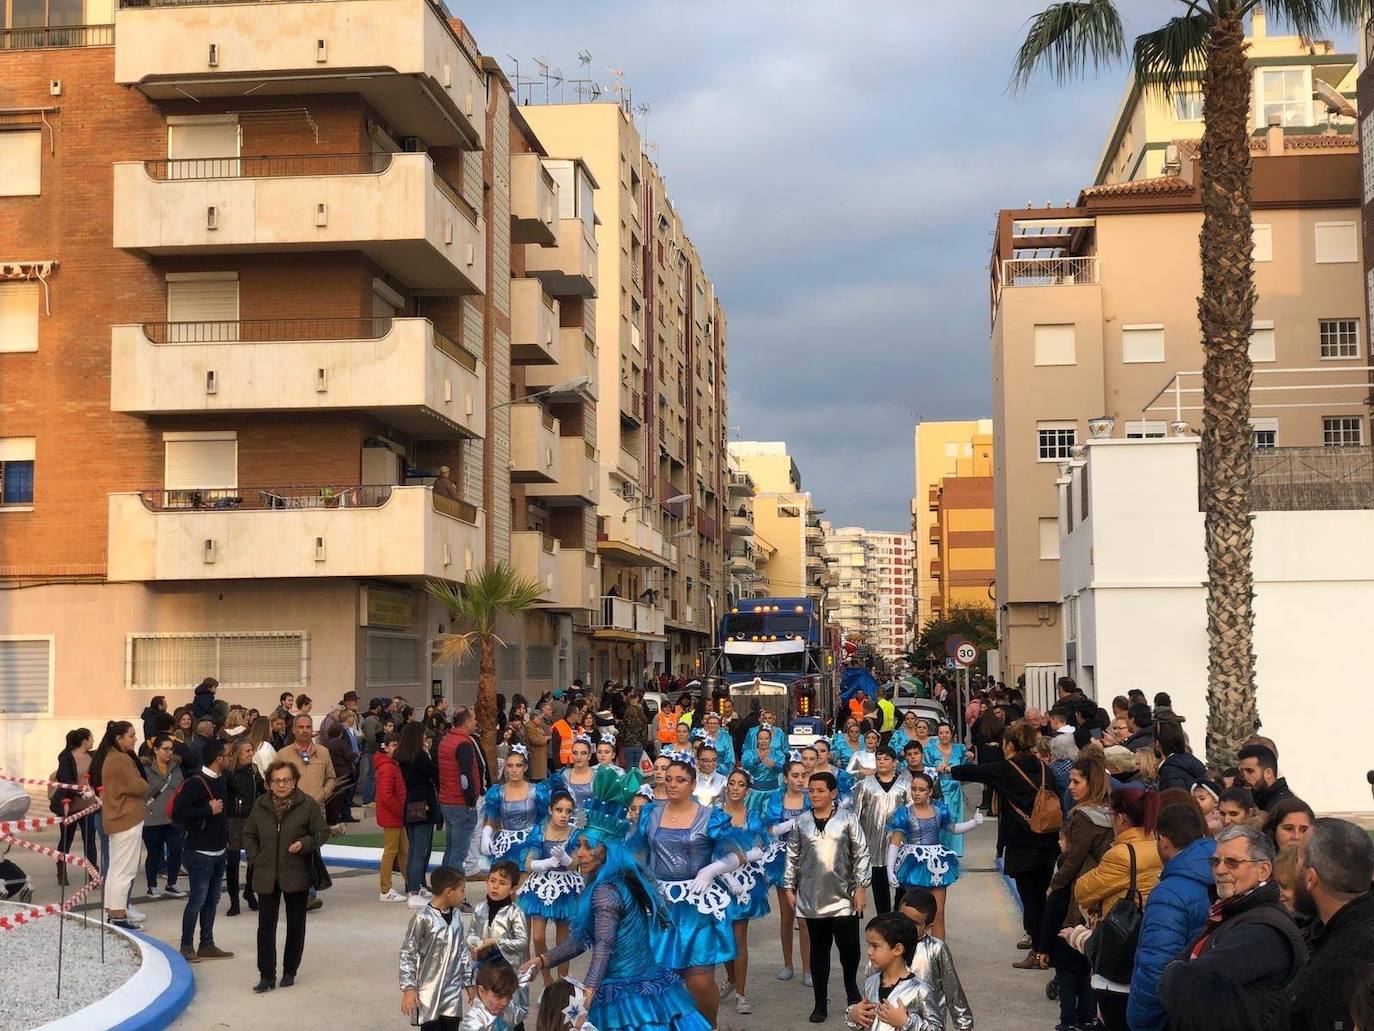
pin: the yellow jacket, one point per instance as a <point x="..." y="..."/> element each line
<point x="1101" y="887"/>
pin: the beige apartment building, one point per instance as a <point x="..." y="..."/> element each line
<point x="253" y="301"/>
<point x="788" y="537"/>
<point x="748" y="556"/>
<point x="941" y="450"/>
<point x="661" y="420"/>
<point x="1094" y="315"/>
<point x="873" y="590"/>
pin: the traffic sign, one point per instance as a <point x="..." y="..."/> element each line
<point x="952" y="643"/>
<point x="951" y="664"/>
<point x="966" y="654"/>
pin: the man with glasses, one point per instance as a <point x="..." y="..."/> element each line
<point x="1248" y="939"/>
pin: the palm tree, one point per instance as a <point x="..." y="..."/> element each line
<point x="1206" y="40"/>
<point x="477" y="605"/>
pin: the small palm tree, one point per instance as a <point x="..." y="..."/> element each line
<point x="477" y="605"/>
<point x="1206" y="40"/>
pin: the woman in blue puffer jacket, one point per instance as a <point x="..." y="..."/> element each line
<point x="1175" y="912"/>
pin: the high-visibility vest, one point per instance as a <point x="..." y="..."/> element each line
<point x="667" y="725"/>
<point x="889" y="712"/>
<point x="565" y="742"/>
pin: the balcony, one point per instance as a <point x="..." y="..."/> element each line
<point x="742" y="523"/>
<point x="579" y="580"/>
<point x="1049" y="271"/>
<point x="706" y="525"/>
<point x="935" y="535"/>
<point x="621" y="619"/>
<point x="401" y="371"/>
<point x="579" y="475"/>
<point x="631" y="406"/>
<point x="535" y="557"/>
<point x="569" y="268"/>
<point x="742" y="562"/>
<point x="533" y="202"/>
<point x="534" y="333"/>
<point x="43" y="37"/>
<point x="402" y="533"/>
<point x="627" y="466"/>
<point x="576" y="356"/>
<point x="630" y="542"/>
<point x="814" y="532"/>
<point x="533" y="444"/>
<point x="741" y="485"/>
<point x="394" y="208"/>
<point x="933" y="499"/>
<point x="401" y="56"/>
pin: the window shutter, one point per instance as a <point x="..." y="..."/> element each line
<point x="21" y="163"/>
<point x="191" y="302"/>
<point x="18" y="315"/>
<point x="201" y="463"/>
<point x="212" y="147"/>
<point x="17" y="449"/>
<point x="25" y="674"/>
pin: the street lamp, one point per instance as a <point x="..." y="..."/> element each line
<point x="676" y="499"/>
<point x="572" y="386"/>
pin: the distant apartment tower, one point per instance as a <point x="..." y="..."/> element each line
<point x="748" y="558"/>
<point x="961" y="540"/>
<point x="787" y="524"/>
<point x="872" y="593"/>
<point x="661" y="420"/>
<point x="939" y="449"/>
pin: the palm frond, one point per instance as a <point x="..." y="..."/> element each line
<point x="498" y="590"/>
<point x="454" y="648"/>
<point x="1171" y="57"/>
<point x="1066" y="39"/>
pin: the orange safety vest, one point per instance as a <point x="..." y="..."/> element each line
<point x="667" y="724"/>
<point x="565" y="741"/>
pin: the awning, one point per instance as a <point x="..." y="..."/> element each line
<point x="763" y="647"/>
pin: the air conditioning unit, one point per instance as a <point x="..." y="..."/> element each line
<point x="413" y="145"/>
<point x="628" y="492"/>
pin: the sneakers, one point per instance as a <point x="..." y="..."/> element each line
<point x="154" y="892"/>
<point x="391" y="896"/>
<point x="1024" y="943"/>
<point x="806" y="980"/>
<point x="785" y="974"/>
<point x="313" y="905"/>
<point x="189" y="954"/>
<point x="425" y="893"/>
<point x="742" y="1005"/>
<point x="727" y="990"/>
<point x="416" y="902"/>
<point x="213" y="951"/>
<point x="171" y="891"/>
<point x="136" y="915"/>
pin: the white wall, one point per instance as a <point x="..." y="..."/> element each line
<point x="1139" y="569"/>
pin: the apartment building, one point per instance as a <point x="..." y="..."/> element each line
<point x="960" y="540"/>
<point x="788" y="536"/>
<point x="873" y="589"/>
<point x="253" y="302"/>
<point x="748" y="557"/>
<point x="661" y="427"/>
<point x="939" y="448"/>
<point x="1286" y="70"/>
<point x="1094" y="319"/>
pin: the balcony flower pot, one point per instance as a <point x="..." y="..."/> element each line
<point x="1101" y="427"/>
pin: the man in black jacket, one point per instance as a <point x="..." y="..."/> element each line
<point x="1259" y="771"/>
<point x="199" y="811"/>
<point x="1333" y="887"/>
<point x="1141" y="724"/>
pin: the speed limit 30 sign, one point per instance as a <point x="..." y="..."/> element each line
<point x="966" y="654"/>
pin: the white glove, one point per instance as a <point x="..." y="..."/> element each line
<point x="702" y="881"/>
<point x="487" y="835"/>
<point x="753" y="855"/>
<point x="892" y="851"/>
<point x="968" y="825"/>
<point x="541" y="865"/>
<point x="779" y="829"/>
<point x="561" y="855"/>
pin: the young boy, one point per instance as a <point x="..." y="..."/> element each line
<point x="497" y="984"/>
<point x="500" y="934"/>
<point x="893" y="996"/>
<point x="932" y="961"/>
<point x="435" y="965"/>
<point x="915" y="759"/>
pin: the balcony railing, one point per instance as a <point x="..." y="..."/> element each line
<point x="1308" y="479"/>
<point x="265" y="166"/>
<point x="456" y="509"/>
<point x="40" y="37"/>
<point x="1049" y="271"/>
<point x="459" y="354"/>
<point x="248" y="499"/>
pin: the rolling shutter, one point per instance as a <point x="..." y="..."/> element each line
<point x="202" y="308"/>
<point x="25" y="675"/>
<point x="204" y="461"/>
<point x="18" y="317"/>
<point x="21" y="163"/>
<point x="203" y="148"/>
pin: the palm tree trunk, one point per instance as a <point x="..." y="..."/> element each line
<point x="1225" y="311"/>
<point x="484" y="708"/>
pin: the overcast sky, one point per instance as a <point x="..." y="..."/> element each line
<point x="839" y="166"/>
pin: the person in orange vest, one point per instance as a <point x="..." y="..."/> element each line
<point x="564" y="730"/>
<point x="668" y="718"/>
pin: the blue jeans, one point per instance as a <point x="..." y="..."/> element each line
<point x="367" y="780"/>
<point x="460" y="821"/>
<point x="206" y="874"/>
<point x="104" y="844"/>
<point x="164" y="854"/>
<point x="419" y="841"/>
<point x="633" y="755"/>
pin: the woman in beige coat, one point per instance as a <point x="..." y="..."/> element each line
<point x="119" y="775"/>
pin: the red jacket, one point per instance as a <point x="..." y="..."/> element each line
<point x="391" y="792"/>
<point x="460" y="779"/>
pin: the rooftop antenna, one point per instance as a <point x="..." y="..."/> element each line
<point x="583" y="87"/>
<point x="641" y="111"/>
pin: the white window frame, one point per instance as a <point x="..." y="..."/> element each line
<point x="1188" y="93"/>
<point x="1049" y="426"/>
<point x="51" y="640"/>
<point x="1328" y="430"/>
<point x="1035" y="344"/>
<point x="1261" y="241"/>
<point x="1147" y="429"/>
<point x="1263" y="325"/>
<point x="1267" y="424"/>
<point x="1354" y="243"/>
<point x="1304" y="112"/>
<point x="24" y="133"/>
<point x="1322" y="325"/>
<point x="1139" y="330"/>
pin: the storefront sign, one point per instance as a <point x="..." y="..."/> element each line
<point x="392" y="610"/>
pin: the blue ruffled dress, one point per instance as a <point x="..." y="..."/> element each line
<point x="775" y="812"/>
<point x="513" y="821"/>
<point x="922" y="860"/>
<point x="762" y="777"/>
<point x="751" y="880"/>
<point x="951" y="790"/>
<point x="550" y="894"/>
<point x="581" y="793"/>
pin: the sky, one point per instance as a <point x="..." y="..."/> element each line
<point x="839" y="166"/>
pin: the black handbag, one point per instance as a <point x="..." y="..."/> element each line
<point x="1111" y="947"/>
<point x="321" y="881"/>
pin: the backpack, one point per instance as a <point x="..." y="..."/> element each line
<point x="171" y="802"/>
<point x="1112" y="945"/>
<point x="1047" y="814"/>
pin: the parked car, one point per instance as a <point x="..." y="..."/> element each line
<point x="926" y="709"/>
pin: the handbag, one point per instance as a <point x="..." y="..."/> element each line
<point x="320" y="879"/>
<point x="417" y="812"/>
<point x="1111" y="946"/>
<point x="1046" y="815"/>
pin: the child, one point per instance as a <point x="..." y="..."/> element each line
<point x="494" y="1009"/>
<point x="893" y="997"/>
<point x="1207" y="795"/>
<point x="553" y="1004"/>
<point x="550" y="894"/>
<point x="932" y="961"/>
<point x="500" y="933"/>
<point x="434" y="963"/>
<point x="1236" y="806"/>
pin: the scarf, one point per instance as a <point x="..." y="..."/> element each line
<point x="282" y="806"/>
<point x="1216" y="915"/>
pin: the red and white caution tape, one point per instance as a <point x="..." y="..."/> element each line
<point x="10" y="831"/>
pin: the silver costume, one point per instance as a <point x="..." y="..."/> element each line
<point x="512" y="934"/>
<point x="933" y="963"/>
<point x="825" y="868"/>
<point x="435" y="963"/>
<point x="913" y="995"/>
<point x="479" y="1018"/>
<point x="874" y="807"/>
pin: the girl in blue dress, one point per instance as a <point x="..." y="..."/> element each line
<point x="511" y="809"/>
<point x="824" y="764"/>
<point x="781" y="809"/>
<point x="749" y="882"/>
<point x="914" y="850"/>
<point x="605" y="753"/>
<point x="620" y="918"/>
<point x="576" y="779"/>
<point x="688" y="847"/>
<point x="942" y="754"/>
<point x="762" y="763"/>
<point x="844" y="745"/>
<point x="552" y="890"/>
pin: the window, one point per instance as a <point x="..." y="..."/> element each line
<point x="21" y="161"/>
<point x="25" y="675"/>
<point x="392" y="659"/>
<point x="1049" y="537"/>
<point x="1262" y="340"/>
<point x="1262" y="245"/>
<point x="1054" y="345"/>
<point x="1055" y="439"/>
<point x="275" y="659"/>
<point x="1264" y="433"/>
<point x="16" y="472"/>
<point x="200" y="460"/>
<point x="538" y="662"/>
<point x="1188" y="106"/>
<point x="1286" y="92"/>
<point x="1142" y="343"/>
<point x="1343" y="431"/>
<point x="202" y="306"/>
<point x="1149" y="429"/>
<point x="1340" y="338"/>
<point x="18" y="315"/>
<point x="1071" y="618"/>
<point x="1336" y="243"/>
<point x="508" y="662"/>
<point x="202" y="146"/>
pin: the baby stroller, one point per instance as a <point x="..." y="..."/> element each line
<point x="14" y="805"/>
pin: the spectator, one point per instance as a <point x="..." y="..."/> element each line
<point x="341" y="759"/>
<point x="244" y="784"/>
<point x="1164" y="708"/>
<point x="118" y="774"/>
<point x="205" y="732"/>
<point x="1177" y="769"/>
<point x="1140" y="723"/>
<point x="1120" y="706"/>
<point x="422" y="813"/>
<point x="462" y="783"/>
<point x="1362" y="1003"/>
<point x="314" y="768"/>
<point x="285" y="827"/>
<point x="286" y="702"/>
<point x="538" y="734"/>
<point x="1332" y="886"/>
<point x="161" y="837"/>
<point x="203" y="704"/>
<point x="1236" y="806"/>
<point x="634" y="730"/>
<point x="1289" y="823"/>
<point x="74" y="767"/>
<point x="1259" y="771"/>
<point x="199" y="810"/>
<point x="1175" y="912"/>
<point x="155" y="707"/>
<point x="391" y="809"/>
<point x="1248" y="936"/>
<point x="564" y="730"/>
<point x="348" y="703"/>
<point x="279" y="737"/>
<point x="371" y="734"/>
<point x="303" y="707"/>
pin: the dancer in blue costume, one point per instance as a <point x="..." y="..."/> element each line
<point x="825" y="764"/>
<point x="576" y="779"/>
<point x="942" y="754"/>
<point x="766" y="719"/>
<point x="620" y="916"/>
<point x="723" y="742"/>
<point x="762" y="762"/>
<point x="844" y="744"/>
<point x="908" y="731"/>
<point x="552" y="890"/>
<point x="780" y="810"/>
<point x="749" y="882"/>
<point x="914" y="850"/>
<point x="511" y="809"/>
<point x="687" y="848"/>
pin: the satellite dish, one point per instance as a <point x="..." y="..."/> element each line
<point x="1335" y="103"/>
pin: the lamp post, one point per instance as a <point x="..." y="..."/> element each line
<point x="571" y="386"/>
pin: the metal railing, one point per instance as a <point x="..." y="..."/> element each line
<point x="1177" y="396"/>
<point x="455" y="509"/>
<point x="252" y="331"/>
<point x="454" y="197"/>
<point x="1308" y="479"/>
<point x="256" y="499"/>
<point x="1049" y="271"/>
<point x="41" y="37"/>
<point x="266" y="166"/>
<point x="461" y="355"/>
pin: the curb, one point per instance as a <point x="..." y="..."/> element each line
<point x="363" y="857"/>
<point x="1011" y="888"/>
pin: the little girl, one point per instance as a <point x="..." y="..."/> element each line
<point x="779" y="812"/>
<point x="863" y="762"/>
<point x="1207" y="795"/>
<point x="552" y="890"/>
<point x="893" y="998"/>
<point x="914" y="851"/>
<point x="511" y="809"/>
<point x="750" y="883"/>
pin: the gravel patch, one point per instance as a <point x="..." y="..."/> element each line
<point x="28" y="970"/>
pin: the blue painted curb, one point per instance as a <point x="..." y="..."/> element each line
<point x="1011" y="887"/>
<point x="172" y="1000"/>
